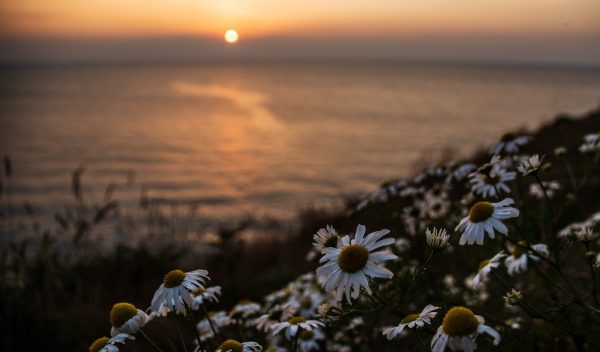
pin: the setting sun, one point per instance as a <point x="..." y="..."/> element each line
<point x="231" y="36"/>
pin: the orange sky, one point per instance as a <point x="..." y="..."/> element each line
<point x="258" y="18"/>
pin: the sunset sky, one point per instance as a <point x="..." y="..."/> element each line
<point x="548" y="30"/>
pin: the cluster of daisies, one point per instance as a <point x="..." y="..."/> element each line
<point x="366" y="286"/>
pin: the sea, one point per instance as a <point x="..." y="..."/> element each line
<point x="261" y="138"/>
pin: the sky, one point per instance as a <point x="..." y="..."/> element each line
<point x="559" y="31"/>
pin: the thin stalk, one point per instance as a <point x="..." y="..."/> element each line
<point x="210" y="322"/>
<point x="150" y="341"/>
<point x="574" y="334"/>
<point x="419" y="272"/>
<point x="295" y="345"/>
<point x="181" y="340"/>
<point x="593" y="274"/>
<point x="193" y="326"/>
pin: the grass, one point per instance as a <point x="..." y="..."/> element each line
<point x="56" y="292"/>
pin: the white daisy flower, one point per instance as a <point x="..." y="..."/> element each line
<point x="217" y="319"/>
<point x="104" y="344"/>
<point x="435" y="207"/>
<point x="176" y="290"/>
<point x="536" y="190"/>
<point x="236" y="346"/>
<point x="457" y="172"/>
<point x="485" y="217"/>
<point x="509" y="143"/>
<point x="203" y="295"/>
<point x="324" y="238"/>
<point x="244" y="309"/>
<point x="402" y="245"/>
<point x="591" y="143"/>
<point x="490" y="180"/>
<point x="459" y="330"/>
<point x="517" y="261"/>
<point x="125" y="318"/>
<point x="586" y="234"/>
<point x="513" y="297"/>
<point x="274" y="316"/>
<point x="347" y="269"/>
<point x="437" y="238"/>
<point x="294" y="325"/>
<point x="309" y="340"/>
<point x="530" y="165"/>
<point x="485" y="268"/>
<point x="411" y="321"/>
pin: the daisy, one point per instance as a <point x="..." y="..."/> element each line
<point x="490" y="180"/>
<point x="218" y="320"/>
<point x="347" y="269"/>
<point x="538" y="192"/>
<point x="274" y="316"/>
<point x="125" y="318"/>
<point x="459" y="330"/>
<point x="175" y="293"/>
<point x="509" y="143"/>
<point x="244" y="309"/>
<point x="437" y="238"/>
<point x="324" y="238"/>
<point x="517" y="261"/>
<point x="485" y="217"/>
<point x="586" y="234"/>
<point x="411" y="321"/>
<point x="457" y="172"/>
<point x="591" y="143"/>
<point x="104" y="344"/>
<point x="236" y="346"/>
<point x="295" y="324"/>
<point x="435" y="207"/>
<point x="309" y="340"/>
<point x="513" y="297"/>
<point x="486" y="267"/>
<point x="202" y="295"/>
<point x="530" y="165"/>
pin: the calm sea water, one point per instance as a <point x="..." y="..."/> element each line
<point x="259" y="138"/>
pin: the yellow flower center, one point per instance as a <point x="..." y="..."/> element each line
<point x="518" y="250"/>
<point x="491" y="179"/>
<point x="460" y="321"/>
<point x="331" y="242"/>
<point x="353" y="258"/>
<point x="307" y="303"/>
<point x="98" y="344"/>
<point x="507" y="137"/>
<point x="245" y="301"/>
<point x="199" y="291"/>
<point x="305" y="335"/>
<point x="174" y="278"/>
<point x="409" y="318"/>
<point x="232" y="346"/>
<point x="483" y="264"/>
<point x="120" y="313"/>
<point x="296" y="320"/>
<point x="481" y="211"/>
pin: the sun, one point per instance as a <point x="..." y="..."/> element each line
<point x="231" y="36"/>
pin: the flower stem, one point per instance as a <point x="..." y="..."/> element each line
<point x="295" y="344"/>
<point x="210" y="322"/>
<point x="193" y="326"/>
<point x="181" y="340"/>
<point x="593" y="274"/>
<point x="150" y="341"/>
